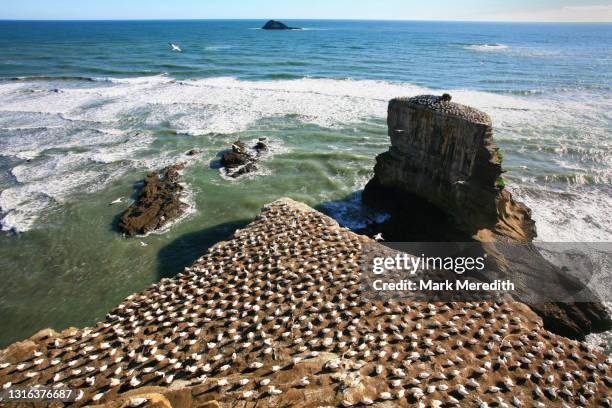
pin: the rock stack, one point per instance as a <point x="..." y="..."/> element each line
<point x="277" y="317"/>
<point x="443" y="174"/>
<point x="443" y="153"/>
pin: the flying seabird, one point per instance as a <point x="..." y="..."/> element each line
<point x="175" y="47"/>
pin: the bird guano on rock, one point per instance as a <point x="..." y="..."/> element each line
<point x="251" y="321"/>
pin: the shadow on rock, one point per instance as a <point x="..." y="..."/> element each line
<point x="183" y="251"/>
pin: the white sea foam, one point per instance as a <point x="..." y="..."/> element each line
<point x="486" y="47"/>
<point x="98" y="123"/>
<point x="350" y="213"/>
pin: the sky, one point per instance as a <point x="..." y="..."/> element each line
<point x="479" y="10"/>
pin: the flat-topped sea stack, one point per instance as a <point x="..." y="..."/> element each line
<point x="277" y="25"/>
<point x="441" y="179"/>
<point x="277" y="317"/>
<point x="443" y="152"/>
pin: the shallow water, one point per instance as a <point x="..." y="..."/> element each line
<point x="98" y="104"/>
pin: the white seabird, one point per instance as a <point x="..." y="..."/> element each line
<point x="175" y="47"/>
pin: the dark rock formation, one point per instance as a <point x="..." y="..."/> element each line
<point x="234" y="159"/>
<point x="277" y="25"/>
<point x="261" y="145"/>
<point x="238" y="156"/>
<point x="250" y="167"/>
<point x="158" y="203"/>
<point x="441" y="180"/>
<point x="194" y="152"/>
<point x="243" y="160"/>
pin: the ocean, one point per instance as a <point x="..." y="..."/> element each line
<point x="87" y="108"/>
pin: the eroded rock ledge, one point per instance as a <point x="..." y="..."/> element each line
<point x="277" y="317"/>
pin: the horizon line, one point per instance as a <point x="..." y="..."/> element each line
<point x="305" y="19"/>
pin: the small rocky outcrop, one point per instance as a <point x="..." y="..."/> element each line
<point x="194" y="152"/>
<point x="241" y="159"/>
<point x="442" y="181"/>
<point x="277" y="25"/>
<point x="236" y="157"/>
<point x="261" y="145"/>
<point x="158" y="202"/>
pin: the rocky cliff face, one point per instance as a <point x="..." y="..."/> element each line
<point x="443" y="152"/>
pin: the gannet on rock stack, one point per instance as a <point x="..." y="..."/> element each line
<point x="276" y="317"/>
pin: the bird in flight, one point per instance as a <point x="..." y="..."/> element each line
<point x="175" y="47"/>
<point x="117" y="201"/>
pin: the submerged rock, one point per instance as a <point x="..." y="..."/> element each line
<point x="261" y="145"/>
<point x="194" y="152"/>
<point x="158" y="202"/>
<point x="277" y="25"/>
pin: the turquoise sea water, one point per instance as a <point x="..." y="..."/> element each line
<point x="86" y="108"/>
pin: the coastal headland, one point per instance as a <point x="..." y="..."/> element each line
<point x="276" y="316"/>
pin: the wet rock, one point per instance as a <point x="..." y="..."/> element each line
<point x="242" y="160"/>
<point x="194" y="152"/>
<point x="239" y="147"/>
<point x="277" y="25"/>
<point x="246" y="169"/>
<point x="261" y="145"/>
<point x="238" y="156"/>
<point x="233" y="159"/>
<point x="158" y="203"/>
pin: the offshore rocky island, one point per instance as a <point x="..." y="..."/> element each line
<point x="276" y="316"/>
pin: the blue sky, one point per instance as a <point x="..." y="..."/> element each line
<point x="514" y="10"/>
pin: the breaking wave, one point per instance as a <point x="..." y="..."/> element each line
<point x="486" y="47"/>
<point x="80" y="137"/>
